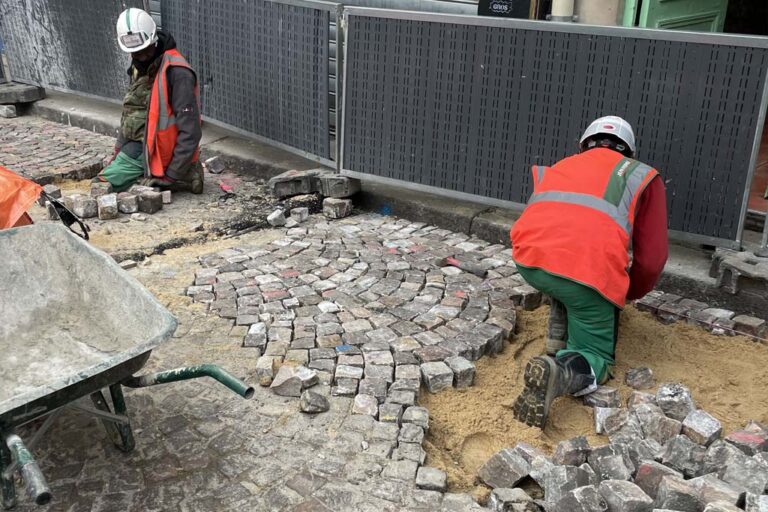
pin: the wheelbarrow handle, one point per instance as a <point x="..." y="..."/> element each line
<point x="191" y="372"/>
<point x="37" y="487"/>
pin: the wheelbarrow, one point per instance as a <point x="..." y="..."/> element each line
<point x="72" y="324"/>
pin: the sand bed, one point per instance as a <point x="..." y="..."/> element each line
<point x="726" y="375"/>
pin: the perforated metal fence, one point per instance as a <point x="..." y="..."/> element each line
<point x="263" y="66"/>
<point x="464" y="106"/>
<point x="66" y="44"/>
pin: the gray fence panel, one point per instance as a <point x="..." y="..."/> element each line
<point x="66" y="44"/>
<point x="452" y="104"/>
<point x="263" y="66"/>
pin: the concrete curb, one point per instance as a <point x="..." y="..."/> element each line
<point x="686" y="273"/>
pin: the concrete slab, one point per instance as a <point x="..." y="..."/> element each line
<point x="12" y="93"/>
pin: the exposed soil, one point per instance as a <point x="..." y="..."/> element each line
<point x="726" y="376"/>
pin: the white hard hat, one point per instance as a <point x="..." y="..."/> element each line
<point x="611" y="125"/>
<point x="136" y="30"/>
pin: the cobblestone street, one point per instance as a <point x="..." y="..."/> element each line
<point x="44" y="151"/>
<point x="199" y="447"/>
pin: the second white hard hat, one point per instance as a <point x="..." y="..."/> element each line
<point x="611" y="125"/>
<point x="136" y="30"/>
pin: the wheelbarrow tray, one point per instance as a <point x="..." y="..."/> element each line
<point x="71" y="321"/>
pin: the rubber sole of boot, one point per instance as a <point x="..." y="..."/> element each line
<point x="554" y="346"/>
<point x="532" y="406"/>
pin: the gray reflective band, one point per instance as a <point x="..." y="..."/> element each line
<point x="586" y="200"/>
<point x="165" y="121"/>
<point x="539" y="173"/>
<point x="632" y="187"/>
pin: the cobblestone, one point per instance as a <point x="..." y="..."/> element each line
<point x="44" y="151"/>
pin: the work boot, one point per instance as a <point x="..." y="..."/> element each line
<point x="194" y="184"/>
<point x="547" y="378"/>
<point x="557" y="327"/>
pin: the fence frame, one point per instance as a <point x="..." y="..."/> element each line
<point x="546" y="26"/>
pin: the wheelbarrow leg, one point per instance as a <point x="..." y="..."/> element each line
<point x="127" y="443"/>
<point x="100" y="402"/>
<point x="8" y="488"/>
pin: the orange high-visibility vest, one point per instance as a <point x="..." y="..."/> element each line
<point x="161" y="132"/>
<point x="578" y="222"/>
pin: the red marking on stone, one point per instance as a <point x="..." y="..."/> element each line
<point x="290" y="273"/>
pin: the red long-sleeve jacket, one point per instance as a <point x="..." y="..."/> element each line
<point x="649" y="240"/>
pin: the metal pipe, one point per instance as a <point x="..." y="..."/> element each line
<point x="37" y="487"/>
<point x="562" y="10"/>
<point x="192" y="372"/>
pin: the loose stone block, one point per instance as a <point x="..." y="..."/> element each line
<point x="410" y="451"/>
<point x="572" y="452"/>
<point x="100" y="188"/>
<point x="750" y="325"/>
<point x="721" y="454"/>
<point x="437" y="376"/>
<point x="127" y="203"/>
<point x="506" y="468"/>
<point x="127" y="264"/>
<point x="603" y="396"/>
<point x="601" y="414"/>
<point x="312" y="402"/>
<point x="417" y="415"/>
<point x="581" y="499"/>
<point x="504" y="499"/>
<point x="675" y="400"/>
<point x="402" y="396"/>
<point x="712" y="489"/>
<point x="611" y="467"/>
<point x="623" y="496"/>
<point x="649" y="475"/>
<point x="676" y="494"/>
<point x="463" y="370"/>
<point x="431" y="354"/>
<point x="379" y="372"/>
<point x="379" y="357"/>
<point x="640" y="378"/>
<point x="338" y="186"/>
<point x="8" y="111"/>
<point x="755" y="503"/>
<point x="300" y="214"/>
<point x="51" y="210"/>
<point x="150" y="202"/>
<point x="276" y="218"/>
<point x="290" y="380"/>
<point x="166" y="195"/>
<point x="337" y="208"/>
<point x="701" y="427"/>
<point x="684" y="455"/>
<point x="297" y="356"/>
<point x="266" y="368"/>
<point x="390" y="412"/>
<point x="749" y="441"/>
<point x="655" y="425"/>
<point x="256" y="336"/>
<point x="431" y="479"/>
<point x="107" y="206"/>
<point x="721" y="506"/>
<point x="365" y="404"/>
<point x="638" y="398"/>
<point x="84" y="207"/>
<point x="408" y="372"/>
<point x="745" y="474"/>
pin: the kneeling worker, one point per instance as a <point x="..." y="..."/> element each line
<point x="589" y="215"/>
<point x="160" y="128"/>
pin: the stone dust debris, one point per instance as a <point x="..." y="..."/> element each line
<point x="726" y="376"/>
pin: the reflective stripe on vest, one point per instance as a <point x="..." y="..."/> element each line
<point x="628" y="177"/>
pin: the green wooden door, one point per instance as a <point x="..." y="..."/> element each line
<point x="695" y="15"/>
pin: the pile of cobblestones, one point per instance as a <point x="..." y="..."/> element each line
<point x="663" y="454"/>
<point x="138" y="201"/>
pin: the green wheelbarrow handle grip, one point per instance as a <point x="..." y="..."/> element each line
<point x="191" y="372"/>
<point x="37" y="487"/>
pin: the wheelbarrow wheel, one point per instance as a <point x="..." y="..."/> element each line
<point x="120" y="433"/>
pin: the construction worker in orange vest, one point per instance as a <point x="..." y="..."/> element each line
<point x="160" y="129"/>
<point x="590" y="215"/>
